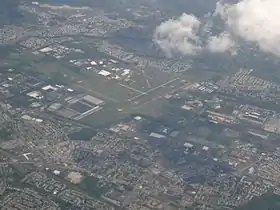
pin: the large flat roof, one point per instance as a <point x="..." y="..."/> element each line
<point x="93" y="100"/>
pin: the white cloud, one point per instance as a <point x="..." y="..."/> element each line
<point x="221" y="43"/>
<point x="179" y="35"/>
<point x="256" y="21"/>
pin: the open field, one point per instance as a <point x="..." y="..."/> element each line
<point x="148" y="103"/>
<point x="264" y="202"/>
<point x="142" y="95"/>
<point x="141" y="79"/>
<point x="106" y="88"/>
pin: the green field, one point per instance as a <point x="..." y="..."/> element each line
<point x="136" y="97"/>
<point x="264" y="202"/>
<point x="110" y="114"/>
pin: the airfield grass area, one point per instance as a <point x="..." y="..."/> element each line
<point x="93" y="84"/>
<point x="142" y="96"/>
<point x="110" y="89"/>
<point x="48" y="68"/>
<point x="113" y="114"/>
<point x="104" y="117"/>
<point x="142" y="78"/>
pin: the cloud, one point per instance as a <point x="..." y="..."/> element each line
<point x="182" y="35"/>
<point x="255" y="21"/>
<point x="221" y="43"/>
<point x="179" y="35"/>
